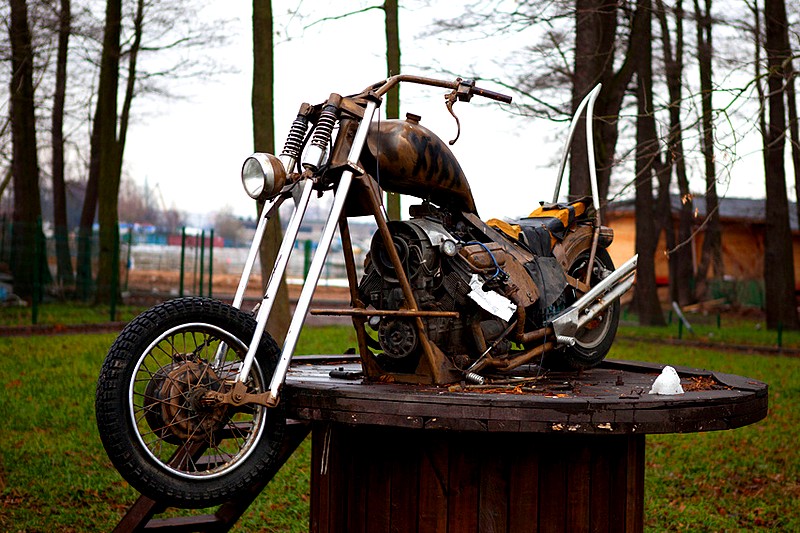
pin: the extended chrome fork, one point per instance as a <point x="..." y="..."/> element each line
<point x="315" y="269"/>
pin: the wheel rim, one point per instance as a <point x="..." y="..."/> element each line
<point x="171" y="424"/>
<point x="595" y="331"/>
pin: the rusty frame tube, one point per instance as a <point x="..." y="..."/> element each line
<point x="362" y="312"/>
<point x="535" y="335"/>
<point x="405" y="284"/>
<point x="525" y="337"/>
<point x="369" y="365"/>
<point x="526" y="357"/>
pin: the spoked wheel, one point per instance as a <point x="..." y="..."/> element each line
<point x="594" y="340"/>
<point x="156" y="419"/>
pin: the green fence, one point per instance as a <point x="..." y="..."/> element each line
<point x="30" y="273"/>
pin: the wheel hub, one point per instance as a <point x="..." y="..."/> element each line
<point x="182" y="409"/>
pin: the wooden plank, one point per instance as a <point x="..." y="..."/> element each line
<point x="634" y="512"/>
<point x="578" y="485"/>
<point x="405" y="473"/>
<point x="320" y="483"/>
<point x="553" y="485"/>
<point x="600" y="488"/>
<point x="139" y="513"/>
<point x="380" y="455"/>
<point x="494" y="491"/>
<point x="354" y="476"/>
<point x="463" y="479"/>
<point x="524" y="486"/>
<point x="433" y="478"/>
<point x="618" y="462"/>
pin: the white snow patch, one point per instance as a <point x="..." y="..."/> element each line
<point x="667" y="383"/>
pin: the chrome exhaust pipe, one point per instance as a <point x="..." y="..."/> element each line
<point x="591" y="304"/>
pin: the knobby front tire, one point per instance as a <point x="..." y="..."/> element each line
<point x="158" y="431"/>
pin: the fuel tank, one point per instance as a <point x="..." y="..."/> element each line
<point x="408" y="158"/>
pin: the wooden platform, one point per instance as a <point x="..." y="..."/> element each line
<point x="610" y="399"/>
<point x="551" y="452"/>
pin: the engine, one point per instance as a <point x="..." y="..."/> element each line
<point x="443" y="266"/>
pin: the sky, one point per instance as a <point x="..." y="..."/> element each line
<point x="193" y="148"/>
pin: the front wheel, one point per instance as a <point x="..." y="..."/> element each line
<point x="158" y="431"/>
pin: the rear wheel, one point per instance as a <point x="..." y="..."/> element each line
<point x="592" y="342"/>
<point x="159" y="430"/>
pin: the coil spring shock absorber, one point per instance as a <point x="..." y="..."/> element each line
<point x="315" y="155"/>
<point x="294" y="141"/>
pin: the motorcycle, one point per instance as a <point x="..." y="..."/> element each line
<point x="188" y="400"/>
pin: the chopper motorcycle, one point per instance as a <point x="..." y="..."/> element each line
<point x="187" y="401"/>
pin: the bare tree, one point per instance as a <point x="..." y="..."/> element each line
<point x="26" y="236"/>
<point x="154" y="29"/>
<point x="64" y="274"/>
<point x="647" y="153"/>
<point x="107" y="153"/>
<point x="264" y="140"/>
<point x="712" y="243"/>
<point x="778" y="257"/>
<point x="681" y="273"/>
<point x="390" y="9"/>
<point x="596" y="25"/>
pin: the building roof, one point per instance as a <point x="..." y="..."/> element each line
<point x="750" y="210"/>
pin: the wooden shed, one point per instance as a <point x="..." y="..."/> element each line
<point x="742" y="227"/>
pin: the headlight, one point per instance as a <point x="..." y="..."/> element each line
<point x="263" y="176"/>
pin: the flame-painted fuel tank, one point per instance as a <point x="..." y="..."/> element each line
<point x="408" y="158"/>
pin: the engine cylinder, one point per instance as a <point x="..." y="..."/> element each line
<point x="413" y="246"/>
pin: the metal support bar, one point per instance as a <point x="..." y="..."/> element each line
<point x="607" y="300"/>
<point x="266" y="212"/>
<point x="317" y="264"/>
<point x="589" y="99"/>
<point x="569" y="321"/>
<point x="275" y="278"/>
<point x="384" y="312"/>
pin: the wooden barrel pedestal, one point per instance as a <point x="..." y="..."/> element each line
<point x="366" y="479"/>
<point x="562" y="452"/>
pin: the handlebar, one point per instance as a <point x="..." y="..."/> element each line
<point x="468" y="86"/>
<point x="491" y="95"/>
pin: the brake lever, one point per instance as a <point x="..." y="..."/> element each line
<point x="450" y="100"/>
<point x="462" y="92"/>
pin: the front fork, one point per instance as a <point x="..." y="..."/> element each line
<point x="314" y="273"/>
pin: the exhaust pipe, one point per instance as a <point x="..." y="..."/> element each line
<point x="591" y="304"/>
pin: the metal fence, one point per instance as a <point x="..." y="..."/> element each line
<point x="186" y="263"/>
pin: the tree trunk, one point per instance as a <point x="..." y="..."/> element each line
<point x="65" y="274"/>
<point x="794" y="130"/>
<point x="595" y="39"/>
<point x="264" y="141"/>
<point x="778" y="257"/>
<point x="393" y="97"/>
<point x="595" y="33"/>
<point x="108" y="157"/>
<point x="647" y="304"/>
<point x="27" y="266"/>
<point x="84" y="282"/>
<point x="712" y="242"/>
<point x="681" y="266"/>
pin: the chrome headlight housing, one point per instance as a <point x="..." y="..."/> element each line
<point x="263" y="176"/>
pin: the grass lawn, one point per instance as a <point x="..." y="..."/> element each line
<point x="54" y="474"/>
<point x="65" y="314"/>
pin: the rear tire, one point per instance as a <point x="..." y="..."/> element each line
<point x="594" y="341"/>
<point x="159" y="434"/>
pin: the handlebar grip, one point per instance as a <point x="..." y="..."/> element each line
<point x="492" y="95"/>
